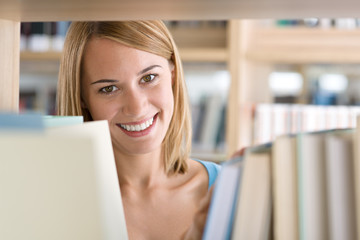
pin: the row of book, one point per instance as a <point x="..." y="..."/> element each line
<point x="58" y="179"/>
<point x="299" y="186"/>
<point x="197" y="24"/>
<point x="272" y="120"/>
<point x="208" y="123"/>
<point x="323" y="23"/>
<point x="43" y="36"/>
<point x="31" y="101"/>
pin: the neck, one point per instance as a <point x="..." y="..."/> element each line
<point x="140" y="170"/>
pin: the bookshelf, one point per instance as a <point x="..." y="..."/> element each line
<point x="241" y="55"/>
<point x="257" y="47"/>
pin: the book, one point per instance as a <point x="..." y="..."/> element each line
<point x="280" y="120"/>
<point x="357" y="174"/>
<point x="224" y="199"/>
<point x="273" y="120"/>
<point x="61" y="184"/>
<point x="211" y="121"/>
<point x="263" y="131"/>
<point x="59" y="37"/>
<point x="27" y="121"/>
<point x="340" y="184"/>
<point x="39" y="40"/>
<point x="284" y="172"/>
<point x="57" y="121"/>
<point x="312" y="197"/>
<point x="254" y="208"/>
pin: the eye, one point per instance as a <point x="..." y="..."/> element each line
<point x="148" y="78"/>
<point x="108" y="89"/>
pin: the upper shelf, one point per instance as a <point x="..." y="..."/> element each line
<point x="57" y="10"/>
<point x="304" y="45"/>
<point x="187" y="55"/>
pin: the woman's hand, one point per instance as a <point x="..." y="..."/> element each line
<point x="196" y="230"/>
<point x="238" y="153"/>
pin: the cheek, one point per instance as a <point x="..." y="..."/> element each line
<point x="102" y="111"/>
<point x="167" y="100"/>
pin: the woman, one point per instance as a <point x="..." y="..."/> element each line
<point x="130" y="74"/>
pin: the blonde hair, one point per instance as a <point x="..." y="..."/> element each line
<point x="149" y="36"/>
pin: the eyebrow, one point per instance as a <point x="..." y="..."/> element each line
<point x="104" y="81"/>
<point x="148" y="69"/>
<point x="139" y="73"/>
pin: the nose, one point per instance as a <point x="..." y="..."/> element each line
<point x="135" y="102"/>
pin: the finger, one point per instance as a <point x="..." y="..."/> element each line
<point x="239" y="153"/>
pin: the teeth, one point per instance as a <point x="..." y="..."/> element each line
<point x="138" y="127"/>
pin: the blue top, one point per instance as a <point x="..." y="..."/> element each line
<point x="212" y="169"/>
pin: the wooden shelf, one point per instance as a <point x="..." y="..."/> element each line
<point x="204" y="54"/>
<point x="44" y="56"/>
<point x="55" y="10"/>
<point x="304" y="45"/>
<point x="200" y="36"/>
<point x="187" y="55"/>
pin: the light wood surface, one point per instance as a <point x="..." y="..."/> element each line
<point x="187" y="55"/>
<point x="238" y="67"/>
<point x="305" y="45"/>
<point x="204" y="54"/>
<point x="35" y="56"/>
<point x="51" y="10"/>
<point x="9" y="65"/>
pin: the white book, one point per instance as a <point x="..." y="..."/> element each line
<point x="284" y="172"/>
<point x="310" y="118"/>
<point x="357" y="174"/>
<point x="296" y="111"/>
<point x="340" y="185"/>
<point x="263" y="131"/>
<point x="61" y="184"/>
<point x="253" y="213"/>
<point x="312" y="186"/>
<point x="280" y="120"/>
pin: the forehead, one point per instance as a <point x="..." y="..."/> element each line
<point x="102" y="51"/>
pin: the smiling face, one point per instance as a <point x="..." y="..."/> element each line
<point x="132" y="89"/>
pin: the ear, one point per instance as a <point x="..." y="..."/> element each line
<point x="173" y="75"/>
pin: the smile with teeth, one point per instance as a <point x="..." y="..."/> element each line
<point x="138" y="127"/>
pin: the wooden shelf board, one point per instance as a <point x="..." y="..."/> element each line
<point x="187" y="55"/>
<point x="33" y="56"/>
<point x="305" y="56"/>
<point x="55" y="10"/>
<point x="206" y="37"/>
<point x="203" y="54"/>
<point x="305" y="45"/>
<point x="277" y="37"/>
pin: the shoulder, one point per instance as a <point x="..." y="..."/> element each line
<point x="200" y="176"/>
<point x="212" y="170"/>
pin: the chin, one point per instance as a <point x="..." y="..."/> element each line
<point x="135" y="149"/>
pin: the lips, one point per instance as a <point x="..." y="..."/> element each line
<point x="138" y="129"/>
